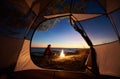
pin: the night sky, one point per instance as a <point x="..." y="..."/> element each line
<point x="63" y="35"/>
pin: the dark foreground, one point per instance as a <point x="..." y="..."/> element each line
<point x="49" y="74"/>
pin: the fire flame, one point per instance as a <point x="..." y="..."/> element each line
<point x="62" y="55"/>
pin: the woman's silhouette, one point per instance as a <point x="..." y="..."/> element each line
<point x="48" y="51"/>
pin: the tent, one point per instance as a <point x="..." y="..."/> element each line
<point x="20" y="18"/>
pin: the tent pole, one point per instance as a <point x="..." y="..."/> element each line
<point x="115" y="27"/>
<point x="94" y="69"/>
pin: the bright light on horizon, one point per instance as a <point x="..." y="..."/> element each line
<point x="63" y="47"/>
<point x="62" y="55"/>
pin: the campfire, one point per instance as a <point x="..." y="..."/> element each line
<point x="62" y="55"/>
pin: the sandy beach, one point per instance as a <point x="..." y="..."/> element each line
<point x="71" y="62"/>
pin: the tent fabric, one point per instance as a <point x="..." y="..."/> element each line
<point x="9" y="51"/>
<point x="14" y="22"/>
<point x="81" y="17"/>
<point x="34" y="6"/>
<point x="112" y="5"/>
<point x="53" y="16"/>
<point x="108" y="56"/>
<point x="24" y="61"/>
<point x="114" y="16"/>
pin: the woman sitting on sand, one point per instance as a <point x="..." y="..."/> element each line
<point x="48" y="51"/>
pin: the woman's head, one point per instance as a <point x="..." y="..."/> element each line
<point x="49" y="45"/>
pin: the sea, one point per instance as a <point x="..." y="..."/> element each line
<point x="40" y="51"/>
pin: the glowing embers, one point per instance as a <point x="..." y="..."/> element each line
<point x="62" y="55"/>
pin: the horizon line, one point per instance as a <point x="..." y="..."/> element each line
<point x="60" y="47"/>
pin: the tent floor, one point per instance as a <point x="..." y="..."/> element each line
<point x="47" y="74"/>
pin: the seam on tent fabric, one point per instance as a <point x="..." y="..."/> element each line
<point x="35" y="18"/>
<point x="114" y="26"/>
<point x="107" y="43"/>
<point x="29" y="11"/>
<point x="102" y="6"/>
